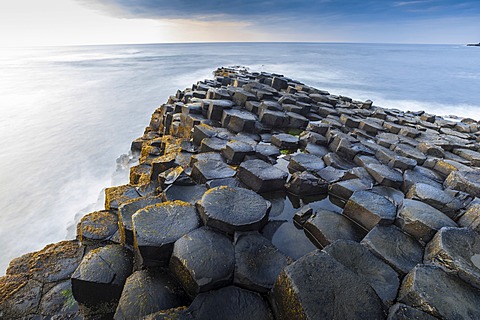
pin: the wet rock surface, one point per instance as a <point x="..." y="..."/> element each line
<point x="273" y="169"/>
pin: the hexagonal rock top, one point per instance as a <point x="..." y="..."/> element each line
<point x="157" y="227"/>
<point x="203" y="260"/>
<point x="457" y="250"/>
<point x="319" y="287"/>
<point x="261" y="176"/>
<point x="233" y="209"/>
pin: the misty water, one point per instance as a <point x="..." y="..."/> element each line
<point x="67" y="113"/>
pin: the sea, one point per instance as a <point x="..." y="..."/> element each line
<point x="68" y="114"/>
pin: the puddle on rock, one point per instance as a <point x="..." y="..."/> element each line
<point x="281" y="230"/>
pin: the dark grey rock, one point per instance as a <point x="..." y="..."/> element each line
<point x="393" y="195"/>
<point x="213" y="144"/>
<point x="410" y="152"/>
<point x="58" y="301"/>
<point x="305" y="183"/>
<point x="334" y="160"/>
<point x="446" y="167"/>
<point x="437" y="198"/>
<point x="318" y="127"/>
<point x="233" y="209"/>
<point x="396" y="248"/>
<point x="470" y="155"/>
<point x="240" y="121"/>
<point x="242" y="96"/>
<point x="345" y="189"/>
<point x="235" y="151"/>
<point x="411" y="177"/>
<point x="231" y="303"/>
<point x="306" y="289"/>
<point x="149" y="291"/>
<point x="97" y="227"/>
<point x="421" y="220"/>
<point x="305" y="162"/>
<point x="325" y="227"/>
<point x="370" y="209"/>
<point x="257" y="262"/>
<point x="319" y="151"/>
<point x="358" y="259"/>
<point x="273" y="119"/>
<point x="440" y="294"/>
<point x="115" y="196"/>
<point x="216" y="107"/>
<point x="202" y="171"/>
<point x="279" y="83"/>
<point x="471" y="218"/>
<point x="203" y="260"/>
<point x="458" y="251"/>
<point x="261" y="176"/>
<point x="467" y="181"/>
<point x="331" y="174"/>
<point x="431" y="149"/>
<point x="189" y="193"/>
<point x="99" y="279"/>
<point x="400" y="311"/>
<point x="266" y="152"/>
<point x="157" y="227"/>
<point x="296" y="121"/>
<point x="285" y="141"/>
<point x="19" y="296"/>
<point x="385" y="175"/>
<point x="206" y="156"/>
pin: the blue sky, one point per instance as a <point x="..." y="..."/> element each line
<point x="141" y="21"/>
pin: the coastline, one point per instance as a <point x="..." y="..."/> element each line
<point x="235" y="128"/>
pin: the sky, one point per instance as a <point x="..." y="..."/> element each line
<point x="78" y="22"/>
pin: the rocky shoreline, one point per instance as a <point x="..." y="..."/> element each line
<point x="256" y="196"/>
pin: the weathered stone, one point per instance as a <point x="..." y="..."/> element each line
<point x="235" y="151"/>
<point x="261" y="176"/>
<point x="421" y="220"/>
<point x="440" y="294"/>
<point x="266" y="152"/>
<point x="115" y="196"/>
<point x="285" y="141"/>
<point x="233" y="209"/>
<point x="318" y="127"/>
<point x="385" y="175"/>
<point x="412" y="177"/>
<point x="157" y="227"/>
<point x="430" y="149"/>
<point x="273" y="119"/>
<point x="458" y="251"/>
<point x="446" y="167"/>
<point x="279" y="83"/>
<point x="334" y="160"/>
<point x="304" y="183"/>
<point x="400" y="311"/>
<point x="257" y="262"/>
<point x="410" y="152"/>
<point x="98" y="281"/>
<point x="437" y="198"/>
<point x="97" y="226"/>
<point x="19" y="296"/>
<point x="242" y="96"/>
<point x="186" y="193"/>
<point x="203" y="260"/>
<point x="393" y="195"/>
<point x="470" y="155"/>
<point x="471" y="218"/>
<point x="296" y="121"/>
<point x="331" y="174"/>
<point x="325" y="227"/>
<point x="370" y="209"/>
<point x="396" y="248"/>
<point x="306" y="288"/>
<point x="206" y="156"/>
<point x="231" y="303"/>
<point x="371" y="126"/>
<point x="213" y="144"/>
<point x="216" y="107"/>
<point x="358" y="259"/>
<point x="305" y="162"/>
<point x="56" y="261"/>
<point x="59" y="302"/>
<point x="345" y="189"/>
<point x="240" y="121"/>
<point x="467" y="181"/>
<point x="202" y="171"/>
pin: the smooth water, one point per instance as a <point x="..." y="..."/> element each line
<point x="67" y="113"/>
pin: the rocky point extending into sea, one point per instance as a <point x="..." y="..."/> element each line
<point x="258" y="197"/>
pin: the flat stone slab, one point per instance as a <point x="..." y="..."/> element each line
<point x="205" y="170"/>
<point x="432" y="290"/>
<point x="305" y="162"/>
<point x="437" y="198"/>
<point x="97" y="226"/>
<point x="306" y="289"/>
<point x="233" y="209"/>
<point x="285" y="141"/>
<point x="421" y="220"/>
<point x="305" y="183"/>
<point x="261" y="176"/>
<point x="385" y="175"/>
<point x="235" y="151"/>
<point x="149" y="291"/>
<point x="257" y="262"/>
<point x="467" y="181"/>
<point x="400" y="311"/>
<point x="57" y="302"/>
<point x="396" y="248"/>
<point x="370" y="209"/>
<point x="98" y="281"/>
<point x="358" y="259"/>
<point x="203" y="260"/>
<point x="345" y="189"/>
<point x="231" y="303"/>
<point x="471" y="218"/>
<point x="458" y="251"/>
<point x="157" y="227"/>
<point x="190" y="194"/>
<point x="325" y="227"/>
<point x="115" y="196"/>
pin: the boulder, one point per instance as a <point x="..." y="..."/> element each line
<point x="285" y="141"/>
<point x="203" y="260"/>
<point x="369" y="209"/>
<point x="205" y="170"/>
<point x="432" y="290"/>
<point x="233" y="209"/>
<point x="257" y="262"/>
<point x="306" y="288"/>
<point x="98" y="281"/>
<point x="458" y="251"/>
<point x="96" y="227"/>
<point x="467" y="181"/>
<point x="325" y="227"/>
<point x="305" y="183"/>
<point x="437" y="198"/>
<point x="231" y="303"/>
<point x="216" y="107"/>
<point x="235" y="151"/>
<point x="273" y="119"/>
<point x="358" y="259"/>
<point x="411" y="177"/>
<point x="305" y="162"/>
<point x="396" y="248"/>
<point x="261" y="176"/>
<point x="385" y="175"/>
<point x="421" y="220"/>
<point x="157" y="227"/>
<point x="213" y="144"/>
<point x="240" y="121"/>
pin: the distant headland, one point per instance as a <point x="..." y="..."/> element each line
<point x="473" y="45"/>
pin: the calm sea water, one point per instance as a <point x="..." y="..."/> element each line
<point x="67" y="113"/>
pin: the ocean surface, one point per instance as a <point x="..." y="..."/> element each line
<point x="67" y="113"/>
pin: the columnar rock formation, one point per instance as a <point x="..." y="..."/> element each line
<point x="256" y="196"/>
